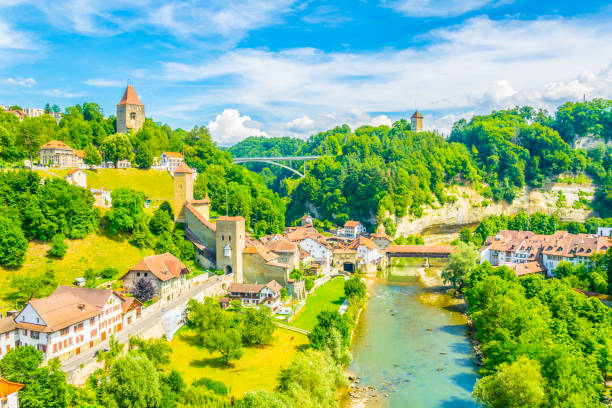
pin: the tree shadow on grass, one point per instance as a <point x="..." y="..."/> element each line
<point x="213" y="362"/>
<point x="339" y="301"/>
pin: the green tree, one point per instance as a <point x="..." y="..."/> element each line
<point x="264" y="399"/>
<point x="257" y="327"/>
<point x="13" y="244"/>
<point x="460" y="263"/>
<point x="58" y="247"/>
<point x="92" y="156"/>
<point x="127" y="210"/>
<point x="160" y="222"/>
<point x="165" y="206"/>
<point x="117" y="147"/>
<point x="133" y="382"/>
<point x="144" y="157"/>
<point x="44" y="386"/>
<point x="516" y="385"/>
<point x="355" y="286"/>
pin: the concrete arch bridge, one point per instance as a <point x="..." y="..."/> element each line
<point x="278" y="161"/>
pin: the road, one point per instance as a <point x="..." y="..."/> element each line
<point x="141" y="325"/>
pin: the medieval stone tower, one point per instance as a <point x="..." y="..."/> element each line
<point x="130" y="112"/>
<point x="231" y="241"/>
<point x="416" y="122"/>
<point x="183" y="190"/>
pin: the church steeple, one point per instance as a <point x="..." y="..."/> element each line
<point x="416" y="122"/>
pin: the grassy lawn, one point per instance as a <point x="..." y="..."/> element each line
<point x="96" y="251"/>
<point x="258" y="368"/>
<point x="156" y="184"/>
<point x="326" y="297"/>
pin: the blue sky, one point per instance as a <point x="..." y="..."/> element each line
<point x="284" y="67"/>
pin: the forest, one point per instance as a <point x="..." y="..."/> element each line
<point x="371" y="173"/>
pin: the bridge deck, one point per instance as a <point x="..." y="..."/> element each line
<point x="274" y="158"/>
<point x="414" y="251"/>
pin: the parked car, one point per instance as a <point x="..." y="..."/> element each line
<point x="284" y="311"/>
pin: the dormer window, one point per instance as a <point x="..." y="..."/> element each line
<point x="227" y="251"/>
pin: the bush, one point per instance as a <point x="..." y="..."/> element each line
<point x="58" y="247"/>
<point x="108" y="273"/>
<point x="215" y="386"/>
<point x="309" y="284"/>
<point x="143" y="290"/>
<point x="13" y="244"/>
<point x="355" y="287"/>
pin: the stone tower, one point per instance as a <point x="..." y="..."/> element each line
<point x="416" y="122"/>
<point x="230" y="245"/>
<point x="183" y="190"/>
<point x="130" y="112"/>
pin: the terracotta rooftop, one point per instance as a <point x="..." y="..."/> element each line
<point x="59" y="311"/>
<point x="367" y="242"/>
<point x="254" y="287"/>
<point x="8" y="387"/>
<point x="351" y="223"/>
<point x="164" y="267"/>
<point x="526" y="268"/>
<point x="234" y="218"/>
<point x="200" y="218"/>
<point x="96" y="297"/>
<point x="130" y="97"/>
<point x="6" y="324"/>
<point x="55" y="144"/>
<point x="173" y="155"/>
<point x="183" y="169"/>
<point x="281" y="245"/>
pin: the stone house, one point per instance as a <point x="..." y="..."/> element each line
<point x="9" y="393"/>
<point x="288" y="252"/>
<point x="368" y="253"/>
<point x="59" y="154"/>
<point x="261" y="264"/>
<point x="77" y="177"/>
<point x="380" y="238"/>
<point x="166" y="272"/>
<point x="253" y="294"/>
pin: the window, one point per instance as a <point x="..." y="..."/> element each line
<point x="65" y="331"/>
<point x="34" y="335"/>
<point x="133" y="115"/>
<point x="137" y="273"/>
<point x="146" y="274"/>
<point x="92" y="321"/>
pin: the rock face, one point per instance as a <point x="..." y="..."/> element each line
<point x="471" y="207"/>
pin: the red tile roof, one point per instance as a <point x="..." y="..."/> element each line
<point x="56" y="144"/>
<point x="7" y="388"/>
<point x="130" y="97"/>
<point x="164" y="267"/>
<point x="183" y="169"/>
<point x="173" y="155"/>
<point x="59" y="311"/>
<point x="351" y="223"/>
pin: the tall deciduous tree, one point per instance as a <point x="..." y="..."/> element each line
<point x="117" y="147"/>
<point x="127" y="210"/>
<point x="133" y="382"/>
<point x="460" y="264"/>
<point x="13" y="244"/>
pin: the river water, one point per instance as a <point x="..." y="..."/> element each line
<point x="411" y="344"/>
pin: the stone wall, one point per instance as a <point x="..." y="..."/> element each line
<point x="256" y="270"/>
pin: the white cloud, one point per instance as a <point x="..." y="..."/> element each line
<point x="105" y="83"/>
<point x="438" y="8"/>
<point x="61" y="93"/>
<point x="303" y="124"/>
<point x="476" y="66"/>
<point x="21" y="82"/>
<point x="229" y="127"/>
<point x="12" y="39"/>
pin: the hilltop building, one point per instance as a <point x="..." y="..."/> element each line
<point x="171" y="160"/>
<point x="58" y="154"/>
<point x="130" y="112"/>
<point x="416" y="122"/>
<point x="352" y="229"/>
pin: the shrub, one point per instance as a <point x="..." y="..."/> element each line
<point x="143" y="290"/>
<point x="309" y="284"/>
<point x="215" y="386"/>
<point x="58" y="247"/>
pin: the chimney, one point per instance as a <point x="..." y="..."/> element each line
<point x="81" y="307"/>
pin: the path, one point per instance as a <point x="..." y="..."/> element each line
<point x="292" y="328"/>
<point x="144" y="323"/>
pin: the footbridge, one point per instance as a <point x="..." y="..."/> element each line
<point x="419" y="251"/>
<point x="276" y="160"/>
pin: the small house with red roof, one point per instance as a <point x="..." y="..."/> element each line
<point x="77" y="177"/>
<point x="166" y="272"/>
<point x="253" y="294"/>
<point x="171" y="160"/>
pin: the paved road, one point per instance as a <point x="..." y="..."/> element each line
<point x="145" y="322"/>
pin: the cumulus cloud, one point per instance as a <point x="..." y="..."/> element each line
<point x="468" y="67"/>
<point x="21" y="82"/>
<point x="230" y="127"/>
<point x="303" y="124"/>
<point x="13" y="39"/>
<point x="438" y="8"/>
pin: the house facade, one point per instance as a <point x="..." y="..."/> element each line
<point x="171" y="160"/>
<point x="8" y="335"/>
<point x="167" y="274"/>
<point x="352" y="229"/>
<point x="77" y="177"/>
<point x="58" y="154"/>
<point x="252" y="294"/>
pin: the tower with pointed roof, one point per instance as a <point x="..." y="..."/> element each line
<point x="130" y="112"/>
<point x="183" y="190"/>
<point x="416" y="122"/>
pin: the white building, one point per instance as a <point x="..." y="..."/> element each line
<point x="368" y="252"/>
<point x="77" y="177"/>
<point x="319" y="250"/>
<point x="267" y="295"/>
<point x="9" y="393"/>
<point x="352" y="229"/>
<point x="604" y="231"/>
<point x="171" y="160"/>
<point x="34" y="112"/>
<point x="8" y="335"/>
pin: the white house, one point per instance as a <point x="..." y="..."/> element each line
<point x="352" y="229"/>
<point x="368" y="252"/>
<point x="8" y="335"/>
<point x="604" y="231"/>
<point x="58" y="326"/>
<point x="77" y="177"/>
<point x="171" y="160"/>
<point x="318" y="249"/>
<point x="267" y="295"/>
<point x="9" y="393"/>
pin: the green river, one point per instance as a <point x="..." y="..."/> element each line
<point x="411" y="344"/>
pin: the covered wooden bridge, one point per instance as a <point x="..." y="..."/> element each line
<point x="419" y="251"/>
